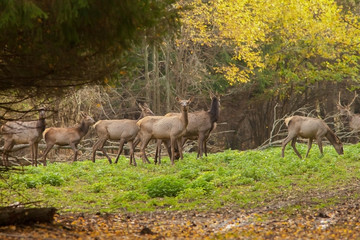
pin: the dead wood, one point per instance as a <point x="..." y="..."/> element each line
<point x="26" y="216"/>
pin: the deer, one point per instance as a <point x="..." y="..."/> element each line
<point x="21" y="132"/>
<point x="354" y="119"/>
<point x="164" y="127"/>
<point x="67" y="136"/>
<point x="124" y="130"/>
<point x="311" y="128"/>
<point x="200" y="125"/>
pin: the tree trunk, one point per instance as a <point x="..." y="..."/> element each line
<point x="167" y="76"/>
<point x="156" y="97"/>
<point x="147" y="78"/>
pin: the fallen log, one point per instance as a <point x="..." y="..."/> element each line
<point x="26" y="216"/>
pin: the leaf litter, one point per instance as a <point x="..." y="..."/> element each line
<point x="339" y="221"/>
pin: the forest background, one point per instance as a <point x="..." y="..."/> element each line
<point x="266" y="58"/>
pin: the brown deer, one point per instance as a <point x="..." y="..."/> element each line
<point x="311" y="128"/>
<point x="18" y="132"/>
<point x="354" y="119"/>
<point x="124" y="130"/>
<point x="67" y="136"/>
<point x="200" y="125"/>
<point x="164" y="127"/>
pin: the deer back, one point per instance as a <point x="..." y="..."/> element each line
<point x="307" y="127"/>
<point x="21" y="132"/>
<point x="61" y="136"/>
<point x="117" y="129"/>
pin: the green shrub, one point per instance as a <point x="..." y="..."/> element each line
<point x="97" y="187"/>
<point x="53" y="179"/>
<point x="165" y="187"/>
<point x="50" y="191"/>
<point x="201" y="183"/>
<point x="192" y="194"/>
<point x="28" y="180"/>
<point x="128" y="196"/>
<point x="189" y="174"/>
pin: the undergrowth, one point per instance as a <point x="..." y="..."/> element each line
<point x="231" y="178"/>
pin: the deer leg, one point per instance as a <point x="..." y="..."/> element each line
<point x="167" y="144"/>
<point x="136" y="141"/>
<point x="172" y="142"/>
<point x="132" y="155"/>
<point x="205" y="148"/>
<point x="33" y="163"/>
<point x="99" y="145"/>
<point x="36" y="146"/>
<point x="74" y="148"/>
<point x="293" y="144"/>
<point x="7" y="148"/>
<point x="319" y="142"/>
<point x="158" y="151"/>
<point x="309" y="147"/>
<point x="200" y="145"/>
<point x="33" y="146"/>
<point x="180" y="147"/>
<point x="121" y="145"/>
<point x="48" y="148"/>
<point x="144" y="143"/>
<point x="106" y="155"/>
<point x="285" y="142"/>
<point x="96" y="147"/>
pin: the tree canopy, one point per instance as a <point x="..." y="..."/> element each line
<point x="48" y="45"/>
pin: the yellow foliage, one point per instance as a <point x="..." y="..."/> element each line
<point x="310" y="28"/>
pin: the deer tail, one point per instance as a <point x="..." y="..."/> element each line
<point x="287" y="121"/>
<point x="45" y="132"/>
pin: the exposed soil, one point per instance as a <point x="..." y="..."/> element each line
<point x="273" y="221"/>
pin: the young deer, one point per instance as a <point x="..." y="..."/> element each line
<point x="311" y="128"/>
<point x="354" y="119"/>
<point x="124" y="130"/>
<point x="164" y="127"/>
<point x="200" y="125"/>
<point x="67" y="136"/>
<point x="18" y="132"/>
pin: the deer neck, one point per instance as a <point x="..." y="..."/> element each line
<point x="214" y="110"/>
<point x="83" y="128"/>
<point x="184" y="116"/>
<point x="331" y="137"/>
<point x="40" y="125"/>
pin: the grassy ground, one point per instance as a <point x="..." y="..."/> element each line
<point x="246" y="179"/>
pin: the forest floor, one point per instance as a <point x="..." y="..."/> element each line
<point x="280" y="219"/>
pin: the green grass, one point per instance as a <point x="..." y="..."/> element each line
<point x="245" y="179"/>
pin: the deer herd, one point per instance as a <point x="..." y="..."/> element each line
<point x="172" y="130"/>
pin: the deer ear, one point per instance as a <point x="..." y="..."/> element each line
<point x="177" y="99"/>
<point x="191" y="99"/>
<point x="211" y="94"/>
<point x="82" y="114"/>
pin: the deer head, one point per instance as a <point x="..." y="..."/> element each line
<point x="345" y="110"/>
<point x="145" y="110"/>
